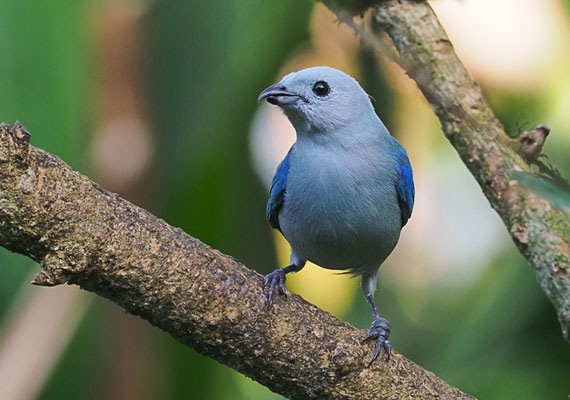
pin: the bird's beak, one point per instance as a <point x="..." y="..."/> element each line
<point x="278" y="95"/>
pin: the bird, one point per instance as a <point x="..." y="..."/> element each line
<point x="345" y="189"/>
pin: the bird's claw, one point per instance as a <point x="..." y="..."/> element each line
<point x="275" y="278"/>
<point x="379" y="331"/>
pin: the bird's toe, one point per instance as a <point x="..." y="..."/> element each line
<point x="274" y="279"/>
<point x="282" y="285"/>
<point x="379" y="331"/>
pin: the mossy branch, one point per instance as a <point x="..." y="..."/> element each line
<point x="540" y="230"/>
<point x="82" y="234"/>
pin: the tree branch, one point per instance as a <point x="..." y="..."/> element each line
<point x="540" y="230"/>
<point x="84" y="235"/>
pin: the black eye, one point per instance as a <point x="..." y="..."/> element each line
<point x="321" y="88"/>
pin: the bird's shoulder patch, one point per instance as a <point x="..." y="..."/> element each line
<point x="277" y="192"/>
<point x="405" y="186"/>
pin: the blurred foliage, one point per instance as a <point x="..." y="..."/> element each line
<point x="82" y="366"/>
<point x="45" y="73"/>
<point x="205" y="63"/>
<point x="46" y="83"/>
<point x="376" y="86"/>
<point x="210" y="60"/>
<point x="518" y="112"/>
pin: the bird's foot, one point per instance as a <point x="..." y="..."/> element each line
<point x="273" y="279"/>
<point x="379" y="331"/>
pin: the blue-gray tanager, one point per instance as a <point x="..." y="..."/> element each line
<point x="345" y="189"/>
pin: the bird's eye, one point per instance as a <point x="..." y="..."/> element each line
<point x="321" y="88"/>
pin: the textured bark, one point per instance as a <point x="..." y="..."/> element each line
<point x="84" y="235"/>
<point x="540" y="230"/>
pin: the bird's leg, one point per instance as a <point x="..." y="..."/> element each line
<point x="277" y="278"/>
<point x="380" y="328"/>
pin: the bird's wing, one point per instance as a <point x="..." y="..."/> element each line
<point x="277" y="192"/>
<point x="405" y="186"/>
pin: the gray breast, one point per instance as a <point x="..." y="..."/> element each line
<point x="340" y="212"/>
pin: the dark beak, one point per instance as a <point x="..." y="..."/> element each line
<point x="278" y="95"/>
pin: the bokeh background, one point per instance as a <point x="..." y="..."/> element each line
<point x="157" y="101"/>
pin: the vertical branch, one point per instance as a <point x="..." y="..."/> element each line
<point x="540" y="230"/>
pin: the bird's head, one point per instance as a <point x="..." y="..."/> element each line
<point x="319" y="99"/>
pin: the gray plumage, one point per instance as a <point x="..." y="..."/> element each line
<point x="345" y="189"/>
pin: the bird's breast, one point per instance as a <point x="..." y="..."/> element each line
<point x="340" y="210"/>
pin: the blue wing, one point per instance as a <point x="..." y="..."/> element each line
<point x="277" y="192"/>
<point x="405" y="186"/>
